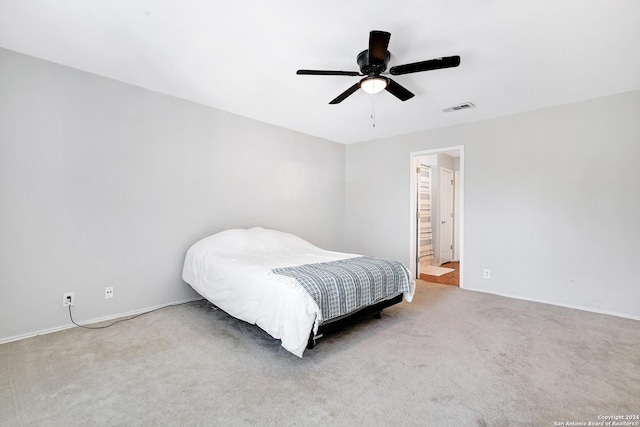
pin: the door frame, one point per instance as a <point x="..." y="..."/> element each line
<point x="459" y="210"/>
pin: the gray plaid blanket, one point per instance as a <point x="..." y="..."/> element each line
<point x="340" y="287"/>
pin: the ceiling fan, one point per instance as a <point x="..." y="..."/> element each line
<point x="373" y="63"/>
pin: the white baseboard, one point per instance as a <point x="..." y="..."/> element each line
<point x="90" y="321"/>
<point x="575" y="307"/>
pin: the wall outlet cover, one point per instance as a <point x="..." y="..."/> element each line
<point x="68" y="299"/>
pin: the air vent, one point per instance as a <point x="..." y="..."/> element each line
<point x="464" y="106"/>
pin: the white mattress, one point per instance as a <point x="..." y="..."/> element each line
<point x="232" y="269"/>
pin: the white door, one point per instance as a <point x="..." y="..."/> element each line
<point x="446" y="215"/>
<point x="456" y="216"/>
<point x="423" y="217"/>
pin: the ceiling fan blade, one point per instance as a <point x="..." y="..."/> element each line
<point x="345" y="94"/>
<point x="398" y="91"/>
<point x="432" y="64"/>
<point x="378" y="44"/>
<point x="327" y="73"/>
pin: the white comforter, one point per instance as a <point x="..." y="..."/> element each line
<point x="232" y="269"/>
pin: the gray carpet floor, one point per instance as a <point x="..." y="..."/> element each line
<point x="450" y="358"/>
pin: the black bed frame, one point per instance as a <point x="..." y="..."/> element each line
<point x="332" y="325"/>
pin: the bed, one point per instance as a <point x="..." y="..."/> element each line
<point x="290" y="288"/>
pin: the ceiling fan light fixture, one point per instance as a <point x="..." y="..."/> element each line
<point x="374" y="84"/>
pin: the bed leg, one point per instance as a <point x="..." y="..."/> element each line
<point x="377" y="315"/>
<point x="312" y="342"/>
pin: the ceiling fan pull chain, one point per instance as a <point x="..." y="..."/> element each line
<point x="373" y="109"/>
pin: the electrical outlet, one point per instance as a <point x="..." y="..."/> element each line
<point x="68" y="299"/>
<point x="487" y="273"/>
<point x="108" y="292"/>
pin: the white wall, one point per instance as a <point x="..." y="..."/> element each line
<point x="106" y="184"/>
<point x="551" y="202"/>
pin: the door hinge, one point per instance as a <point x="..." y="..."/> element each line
<point x="451" y="182"/>
<point x="418" y="170"/>
<point x="417" y="214"/>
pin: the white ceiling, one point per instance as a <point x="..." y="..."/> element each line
<point x="242" y="56"/>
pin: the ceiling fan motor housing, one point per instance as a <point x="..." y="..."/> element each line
<point x="369" y="69"/>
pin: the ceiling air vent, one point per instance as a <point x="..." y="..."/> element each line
<point x="463" y="106"/>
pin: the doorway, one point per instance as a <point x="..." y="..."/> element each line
<point x="444" y="208"/>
